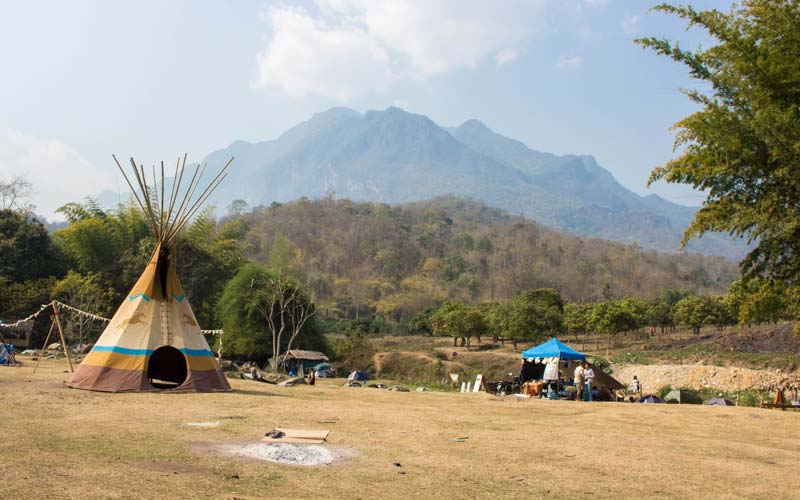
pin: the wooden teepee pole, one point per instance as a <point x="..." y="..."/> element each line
<point x="46" y="340"/>
<point x="63" y="342"/>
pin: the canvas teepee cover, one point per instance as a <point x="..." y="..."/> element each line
<point x="153" y="342"/>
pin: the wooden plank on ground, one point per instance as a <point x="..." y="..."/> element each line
<point x="292" y="440"/>
<point x="304" y="433"/>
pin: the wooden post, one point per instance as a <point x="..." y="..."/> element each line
<point x="63" y="342"/>
<point x="46" y="340"/>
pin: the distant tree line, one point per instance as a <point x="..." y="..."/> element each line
<point x="536" y="315"/>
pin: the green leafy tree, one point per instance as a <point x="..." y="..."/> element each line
<point x="576" y="319"/>
<point x="531" y="316"/>
<point x="659" y="315"/>
<point x="26" y="251"/>
<point x="455" y="319"/>
<point x="265" y="313"/>
<point x="613" y="317"/>
<point x="694" y="311"/>
<point x="282" y="255"/>
<point x="743" y="146"/>
<point x="420" y="324"/>
<point x="763" y="302"/>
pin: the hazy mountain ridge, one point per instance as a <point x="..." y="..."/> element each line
<point x="394" y="156"/>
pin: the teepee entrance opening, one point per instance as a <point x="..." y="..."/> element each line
<point x="167" y="368"/>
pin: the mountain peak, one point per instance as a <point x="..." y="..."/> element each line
<point x="337" y="112"/>
<point x="475" y="125"/>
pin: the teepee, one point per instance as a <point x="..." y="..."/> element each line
<point x="153" y="341"/>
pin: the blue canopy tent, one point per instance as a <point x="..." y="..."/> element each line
<point x="553" y="348"/>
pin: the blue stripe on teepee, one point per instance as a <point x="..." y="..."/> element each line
<point x="147" y="352"/>
<point x="133" y="297"/>
<point x="196" y="352"/>
<point x="122" y="350"/>
<point x="179" y="299"/>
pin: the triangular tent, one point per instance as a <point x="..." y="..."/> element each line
<point x="153" y="342"/>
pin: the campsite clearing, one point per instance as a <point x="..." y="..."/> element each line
<point x="72" y="444"/>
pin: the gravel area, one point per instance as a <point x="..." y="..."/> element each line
<point x="654" y="377"/>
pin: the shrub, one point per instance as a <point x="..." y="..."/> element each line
<point x="749" y="398"/>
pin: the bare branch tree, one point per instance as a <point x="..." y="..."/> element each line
<point x="299" y="314"/>
<point x="14" y="192"/>
<point x="285" y="309"/>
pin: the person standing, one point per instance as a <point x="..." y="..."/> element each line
<point x="588" y="377"/>
<point x="636" y="386"/>
<point x="578" y="378"/>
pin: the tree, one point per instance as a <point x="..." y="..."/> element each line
<point x="576" y="319"/>
<point x="263" y="313"/>
<point x="26" y="250"/>
<point x="18" y="300"/>
<point x="87" y="294"/>
<point x="659" y="316"/>
<point x="531" y="316"/>
<point x="14" y="193"/>
<point x="694" y="311"/>
<point x="613" y="317"/>
<point x="761" y="302"/>
<point x="458" y="321"/>
<point x="238" y="207"/>
<point x="420" y="324"/>
<point x="743" y="146"/>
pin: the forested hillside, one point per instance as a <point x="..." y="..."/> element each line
<point x="396" y="261"/>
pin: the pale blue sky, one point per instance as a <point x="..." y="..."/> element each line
<point x="81" y="80"/>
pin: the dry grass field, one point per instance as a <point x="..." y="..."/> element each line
<point x="69" y="444"/>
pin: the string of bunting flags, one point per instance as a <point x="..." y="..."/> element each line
<point x="78" y="311"/>
<point x="32" y="316"/>
<point x="82" y="313"/>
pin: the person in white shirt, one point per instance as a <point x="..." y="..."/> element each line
<point x="578" y="378"/>
<point x="588" y="377"/>
<point x="636" y="386"/>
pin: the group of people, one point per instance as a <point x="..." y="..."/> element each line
<point x="584" y="380"/>
<point x="542" y="378"/>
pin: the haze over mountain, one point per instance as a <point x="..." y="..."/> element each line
<point x="394" y="156"/>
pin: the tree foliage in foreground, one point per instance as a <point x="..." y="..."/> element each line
<point x="743" y="146"/>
